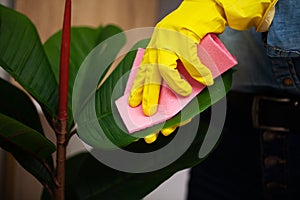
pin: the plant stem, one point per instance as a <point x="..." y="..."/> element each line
<point x="64" y="64"/>
<point x="73" y="132"/>
<point x="61" y="131"/>
<point x="61" y="160"/>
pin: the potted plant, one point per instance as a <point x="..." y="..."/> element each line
<point x="47" y="72"/>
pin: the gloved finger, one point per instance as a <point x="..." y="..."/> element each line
<point x="196" y="69"/>
<point x="151" y="138"/>
<point x="166" y="132"/>
<point x="152" y="84"/>
<point x="136" y="92"/>
<point x="167" y="68"/>
<point x="150" y="98"/>
<point x="169" y="130"/>
<point x="146" y="85"/>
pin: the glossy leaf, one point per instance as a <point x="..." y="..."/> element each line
<point x="16" y="104"/>
<point x="86" y="100"/>
<point x="115" y="184"/>
<point x="83" y="40"/>
<point x="89" y="179"/>
<point x="32" y="150"/>
<point x="23" y="57"/>
<point x="28" y="146"/>
<point x="113" y="130"/>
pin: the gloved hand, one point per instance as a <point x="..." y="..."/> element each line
<point x="177" y="36"/>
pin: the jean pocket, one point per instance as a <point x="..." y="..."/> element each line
<point x="286" y="72"/>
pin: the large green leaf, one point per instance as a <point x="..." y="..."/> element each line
<point x="112" y="128"/>
<point x="83" y="40"/>
<point x="96" y="180"/>
<point x="89" y="179"/>
<point x="23" y="57"/>
<point x="32" y="150"/>
<point x="16" y="104"/>
<point x="85" y="93"/>
<point x="107" y="183"/>
<point x="28" y="146"/>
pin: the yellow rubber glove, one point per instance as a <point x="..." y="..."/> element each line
<point x="177" y="36"/>
<point x="151" y="138"/>
<point x="168" y="131"/>
<point x="165" y="131"/>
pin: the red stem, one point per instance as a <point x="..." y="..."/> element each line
<point x="64" y="64"/>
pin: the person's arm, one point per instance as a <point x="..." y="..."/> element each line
<point x="242" y="15"/>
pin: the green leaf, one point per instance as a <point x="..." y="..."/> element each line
<point x="85" y="93"/>
<point x="23" y="57"/>
<point x="94" y="181"/>
<point x="83" y="40"/>
<point x="113" y="130"/>
<point x="16" y="104"/>
<point x="114" y="184"/>
<point x="89" y="179"/>
<point x="28" y="146"/>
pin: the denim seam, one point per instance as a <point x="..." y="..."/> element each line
<point x="277" y="52"/>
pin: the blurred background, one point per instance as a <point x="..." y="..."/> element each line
<point x="47" y="16"/>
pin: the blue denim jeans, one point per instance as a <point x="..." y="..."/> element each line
<point x="251" y="163"/>
<point x="284" y="33"/>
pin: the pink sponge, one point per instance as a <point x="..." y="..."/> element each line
<point x="211" y="52"/>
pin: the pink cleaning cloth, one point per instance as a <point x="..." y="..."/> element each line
<point x="211" y="52"/>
